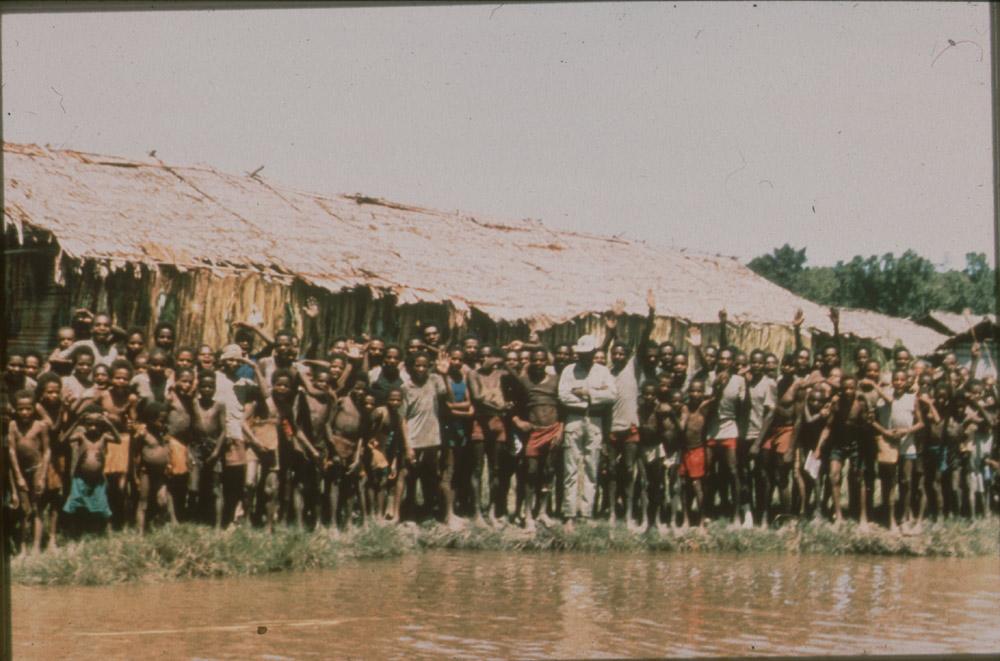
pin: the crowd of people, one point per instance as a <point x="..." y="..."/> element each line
<point x="112" y="429"/>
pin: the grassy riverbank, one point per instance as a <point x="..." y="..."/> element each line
<point x="189" y="551"/>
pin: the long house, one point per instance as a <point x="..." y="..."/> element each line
<point x="148" y="241"/>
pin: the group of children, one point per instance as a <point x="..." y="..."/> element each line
<point x="111" y="430"/>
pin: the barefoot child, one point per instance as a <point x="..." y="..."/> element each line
<point x="388" y="455"/>
<point x="50" y="409"/>
<point x="544" y="429"/>
<point x="28" y="440"/>
<point x="897" y="423"/>
<point x="844" y="431"/>
<point x="152" y="459"/>
<point x="119" y="405"/>
<point x="692" y="469"/>
<point x="89" y="487"/>
<point x="207" y="440"/>
<point x="670" y="418"/>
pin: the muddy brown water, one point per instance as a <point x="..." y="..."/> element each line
<point x="490" y="605"/>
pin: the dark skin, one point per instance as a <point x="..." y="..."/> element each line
<point x="671" y="419"/>
<point x="470" y="352"/>
<point x="848" y="410"/>
<point x="347" y="421"/>
<point x="698" y="406"/>
<point x="89" y="446"/>
<point x="464" y="412"/>
<point x="420" y="373"/>
<point x="388" y="418"/>
<point x="209" y="422"/>
<point x="539" y="417"/>
<point x="154" y="455"/>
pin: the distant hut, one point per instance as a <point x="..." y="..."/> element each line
<point x="962" y="330"/>
<point x="151" y="242"/>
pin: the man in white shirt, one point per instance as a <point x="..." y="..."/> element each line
<point x="583" y="386"/>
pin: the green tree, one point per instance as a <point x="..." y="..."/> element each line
<point x="781" y="267"/>
<point x="904" y="286"/>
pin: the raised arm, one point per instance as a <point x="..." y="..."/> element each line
<point x="310" y="327"/>
<point x="303" y="370"/>
<point x="258" y="375"/>
<point x="797" y="327"/>
<point x="260" y="332"/>
<point x="723" y="329"/>
<point x="611" y="325"/>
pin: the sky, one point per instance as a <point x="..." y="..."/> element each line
<point x="721" y="128"/>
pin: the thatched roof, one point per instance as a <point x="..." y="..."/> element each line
<point x="122" y="211"/>
<point x="953" y="323"/>
<point x="886" y="330"/>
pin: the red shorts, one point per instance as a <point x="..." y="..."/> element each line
<point x="728" y="443"/>
<point x="779" y="441"/>
<point x="630" y="435"/>
<point x="489" y="428"/>
<point x="693" y="463"/>
<point x="541" y="439"/>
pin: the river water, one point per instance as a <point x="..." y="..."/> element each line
<point x="483" y="605"/>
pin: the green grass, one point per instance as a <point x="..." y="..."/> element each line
<point x="190" y="551"/>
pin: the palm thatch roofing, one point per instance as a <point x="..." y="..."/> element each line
<point x="953" y="323"/>
<point x="119" y="211"/>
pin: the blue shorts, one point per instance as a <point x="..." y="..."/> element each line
<point x="92" y="498"/>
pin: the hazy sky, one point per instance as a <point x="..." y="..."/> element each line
<point x="723" y="128"/>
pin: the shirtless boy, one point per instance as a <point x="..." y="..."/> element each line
<point x="153" y="459"/>
<point x="694" y="415"/>
<point x="28" y="441"/>
<point x="843" y="431"/>
<point x="388" y="455"/>
<point x="544" y="430"/>
<point x="88" y="494"/>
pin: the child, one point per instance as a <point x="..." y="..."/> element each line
<point x="88" y="490"/>
<point x="844" y="431"/>
<point x="346" y="426"/>
<point x="261" y="421"/>
<point x="14" y="380"/>
<point x="543" y="428"/>
<point x="101" y="379"/>
<point x="897" y="424"/>
<point x="649" y="451"/>
<point x="207" y="439"/>
<point x="32" y="365"/>
<point x="74" y="385"/>
<point x="153" y="384"/>
<point x="388" y="453"/>
<point x="153" y="461"/>
<point x="119" y="405"/>
<point x="206" y="358"/>
<point x="135" y="344"/>
<point x="692" y="469"/>
<point x="180" y="427"/>
<point x="807" y="430"/>
<point x="65" y="337"/>
<point x="50" y="409"/>
<point x="314" y="407"/>
<point x="670" y="419"/>
<point x="28" y="439"/>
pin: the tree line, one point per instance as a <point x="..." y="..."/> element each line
<point x="905" y="286"/>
